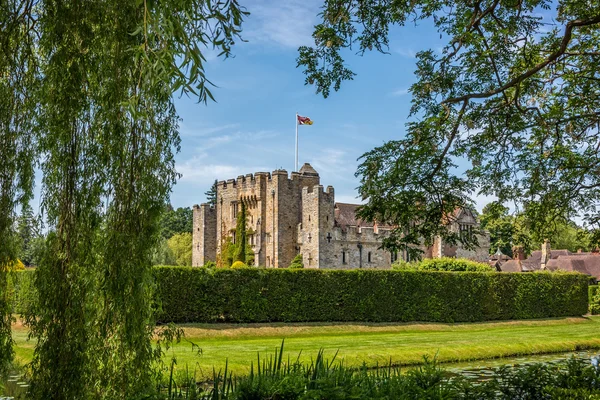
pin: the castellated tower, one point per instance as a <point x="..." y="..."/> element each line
<point x="204" y="234"/>
<point x="273" y="204"/>
<point x="317" y="227"/>
<point x="330" y="236"/>
<point x="290" y="215"/>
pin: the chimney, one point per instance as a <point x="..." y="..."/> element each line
<point x="546" y="253"/>
<point x="518" y="253"/>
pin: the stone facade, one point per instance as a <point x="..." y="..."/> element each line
<point x="464" y="222"/>
<point x="290" y="215"/>
<point x="204" y="234"/>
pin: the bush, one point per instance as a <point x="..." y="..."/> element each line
<point x="445" y="264"/>
<point x="288" y="295"/>
<point x="23" y="290"/>
<point x="594" y="298"/>
<point x="238" y="264"/>
<point x="297" y="262"/>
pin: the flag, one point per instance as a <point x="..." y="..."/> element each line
<point x="304" y="120"/>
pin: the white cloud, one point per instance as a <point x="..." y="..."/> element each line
<point x="408" y="53"/>
<point x="199" y="171"/>
<point x="482" y="200"/>
<point x="399" y="92"/>
<point x="286" y="23"/>
<point x="205" y="131"/>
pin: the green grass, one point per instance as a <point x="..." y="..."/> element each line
<point x="374" y="344"/>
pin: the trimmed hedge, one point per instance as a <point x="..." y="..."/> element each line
<point x="283" y="295"/>
<point x="594" y="308"/>
<point x="187" y="294"/>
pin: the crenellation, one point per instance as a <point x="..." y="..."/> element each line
<point x="291" y="214"/>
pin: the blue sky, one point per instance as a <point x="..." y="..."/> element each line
<point x="252" y="126"/>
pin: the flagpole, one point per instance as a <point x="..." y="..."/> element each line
<point x="296" y="169"/>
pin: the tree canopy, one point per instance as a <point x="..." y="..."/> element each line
<point x="86" y="94"/>
<point x="510" y="230"/>
<point x="515" y="92"/>
<point x="176" y="221"/>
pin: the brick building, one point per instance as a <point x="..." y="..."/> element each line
<point x="288" y="215"/>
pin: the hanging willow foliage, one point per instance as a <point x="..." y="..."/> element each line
<point x="106" y="128"/>
<point x="17" y="110"/>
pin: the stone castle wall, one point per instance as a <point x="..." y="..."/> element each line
<point x="204" y="234"/>
<point x="327" y="246"/>
<point x="287" y="215"/>
<point x="273" y="211"/>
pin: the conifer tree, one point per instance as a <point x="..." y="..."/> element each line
<point x="211" y="194"/>
<point x="240" y="235"/>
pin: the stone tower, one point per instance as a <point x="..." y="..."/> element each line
<point x="204" y="234"/>
<point x="273" y="207"/>
<point x="317" y="226"/>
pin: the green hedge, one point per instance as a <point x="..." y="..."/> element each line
<point x="594" y="308"/>
<point x="444" y="264"/>
<point x="186" y="294"/>
<point x="269" y="295"/>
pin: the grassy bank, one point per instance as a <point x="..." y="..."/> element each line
<point x="373" y="344"/>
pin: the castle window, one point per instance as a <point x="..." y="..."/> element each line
<point x="309" y="218"/>
<point x="327" y="218"/>
<point x="369" y="257"/>
<point x="394" y="255"/>
<point x="343" y="257"/>
<point x="234" y="209"/>
<point x="466" y="231"/>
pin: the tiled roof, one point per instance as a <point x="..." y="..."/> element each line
<point x="345" y="215"/>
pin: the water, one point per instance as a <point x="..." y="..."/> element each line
<point x="15" y="388"/>
<point x="482" y="369"/>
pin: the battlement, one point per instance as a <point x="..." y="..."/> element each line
<point x="204" y="207"/>
<point x="250" y="181"/>
<point x="363" y="234"/>
<point x="318" y="191"/>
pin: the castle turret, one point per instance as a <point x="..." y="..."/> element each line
<point x="204" y="235"/>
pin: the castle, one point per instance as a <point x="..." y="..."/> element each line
<point x="290" y="215"/>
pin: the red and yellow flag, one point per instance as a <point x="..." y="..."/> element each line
<point x="304" y="120"/>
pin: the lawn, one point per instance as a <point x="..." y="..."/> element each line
<point x="373" y="344"/>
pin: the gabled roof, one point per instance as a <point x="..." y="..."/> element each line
<point x="345" y="215"/>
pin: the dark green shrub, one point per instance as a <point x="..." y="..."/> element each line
<point x="444" y="264"/>
<point x="594" y="300"/>
<point x="297" y="262"/>
<point x="288" y="295"/>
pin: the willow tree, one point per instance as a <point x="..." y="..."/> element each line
<point x="106" y="126"/>
<point x="17" y="112"/>
<point x="515" y="92"/>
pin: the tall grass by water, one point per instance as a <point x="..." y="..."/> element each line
<point x="279" y="377"/>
